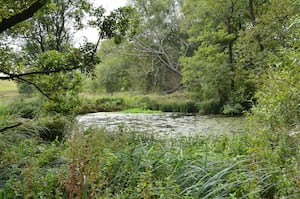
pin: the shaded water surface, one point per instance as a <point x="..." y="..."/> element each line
<point x="163" y="123"/>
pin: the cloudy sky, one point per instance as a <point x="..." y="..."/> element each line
<point x="91" y="34"/>
<point x="110" y="4"/>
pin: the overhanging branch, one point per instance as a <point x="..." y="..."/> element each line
<point x="7" y="23"/>
<point x="21" y="76"/>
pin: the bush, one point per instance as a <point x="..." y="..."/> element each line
<point x="29" y="169"/>
<point x="232" y="109"/>
<point x="51" y="128"/>
<point x="278" y="104"/>
<point x="210" y="107"/>
<point x="25" y="108"/>
<point x="26" y="89"/>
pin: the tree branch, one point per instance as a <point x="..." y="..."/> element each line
<point x="11" y="126"/>
<point x="20" y="79"/>
<point x="24" y="15"/>
<point x="42" y="72"/>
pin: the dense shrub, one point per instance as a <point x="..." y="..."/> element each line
<point x="278" y="104"/>
<point x="29" y="169"/>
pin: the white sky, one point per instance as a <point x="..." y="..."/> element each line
<point x="108" y="5"/>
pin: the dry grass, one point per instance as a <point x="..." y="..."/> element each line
<point x="8" y="90"/>
<point x="6" y="85"/>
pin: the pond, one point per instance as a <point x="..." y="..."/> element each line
<point x="163" y="123"/>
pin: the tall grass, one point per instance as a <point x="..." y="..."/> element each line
<point x="137" y="165"/>
<point x="100" y="164"/>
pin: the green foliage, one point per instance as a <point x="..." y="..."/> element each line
<point x="137" y="165"/>
<point x="26" y="89"/>
<point x="118" y="69"/>
<point x="147" y="58"/>
<point x="235" y="109"/>
<point x="235" y="40"/>
<point x="24" y="108"/>
<point x="113" y="73"/>
<point x="29" y="169"/>
<point x="165" y="103"/>
<point x="119" y="23"/>
<point x="211" y="106"/>
<point x="278" y="98"/>
<point x="48" y="59"/>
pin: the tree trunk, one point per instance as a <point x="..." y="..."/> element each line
<point x="253" y="21"/>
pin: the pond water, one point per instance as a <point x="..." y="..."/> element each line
<point x="163" y="123"/>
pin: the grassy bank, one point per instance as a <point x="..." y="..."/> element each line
<point x="144" y="103"/>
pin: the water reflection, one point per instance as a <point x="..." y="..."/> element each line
<point x="163" y="123"/>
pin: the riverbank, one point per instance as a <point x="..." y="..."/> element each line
<point x="176" y="102"/>
<point x="48" y="157"/>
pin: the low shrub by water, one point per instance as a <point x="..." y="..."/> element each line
<point x="103" y="104"/>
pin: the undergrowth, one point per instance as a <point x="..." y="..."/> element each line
<point x="101" y="164"/>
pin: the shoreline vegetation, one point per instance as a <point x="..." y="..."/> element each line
<point x="137" y="103"/>
<point x="48" y="157"/>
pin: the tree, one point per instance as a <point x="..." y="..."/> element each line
<point x="160" y="42"/>
<point x="235" y="39"/>
<point x="278" y="106"/>
<point x="48" y="60"/>
<point x="210" y="73"/>
<point x="150" y="56"/>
